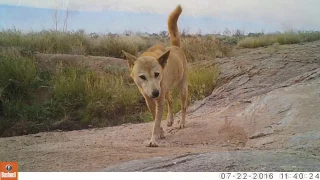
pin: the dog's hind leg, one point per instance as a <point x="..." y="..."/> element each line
<point x="183" y="90"/>
<point x="170" y="110"/>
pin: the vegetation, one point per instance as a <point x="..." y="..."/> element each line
<point x="200" y="48"/>
<point x="67" y="96"/>
<point x="71" y="97"/>
<point x="289" y="37"/>
<point x="78" y="42"/>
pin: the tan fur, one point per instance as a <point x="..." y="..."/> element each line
<point x="173" y="26"/>
<point x="157" y="71"/>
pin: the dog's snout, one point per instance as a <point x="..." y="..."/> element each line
<point x="155" y="93"/>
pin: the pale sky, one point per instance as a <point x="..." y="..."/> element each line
<point x="278" y="14"/>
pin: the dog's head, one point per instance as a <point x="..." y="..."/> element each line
<point x="147" y="72"/>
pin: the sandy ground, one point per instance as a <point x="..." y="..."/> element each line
<point x="268" y="99"/>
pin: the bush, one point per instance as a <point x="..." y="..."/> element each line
<point x="92" y="95"/>
<point x="202" y="81"/>
<point x="19" y="79"/>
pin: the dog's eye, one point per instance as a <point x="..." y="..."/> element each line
<point x="143" y="77"/>
<point x="156" y="74"/>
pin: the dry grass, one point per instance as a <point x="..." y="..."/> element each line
<point x="204" y="48"/>
<point x="80" y="95"/>
<point x="92" y="95"/>
<point x="79" y="43"/>
<point x="202" y="81"/>
<point x="281" y="38"/>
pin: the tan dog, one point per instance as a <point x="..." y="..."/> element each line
<point x="157" y="72"/>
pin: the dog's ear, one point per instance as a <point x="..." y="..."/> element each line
<point x="163" y="58"/>
<point x="131" y="58"/>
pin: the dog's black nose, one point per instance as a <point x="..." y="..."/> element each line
<point x="155" y="93"/>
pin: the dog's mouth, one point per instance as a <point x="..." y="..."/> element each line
<point x="154" y="97"/>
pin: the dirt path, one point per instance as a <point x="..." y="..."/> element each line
<point x="268" y="99"/>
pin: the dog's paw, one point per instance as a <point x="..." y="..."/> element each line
<point x="169" y="123"/>
<point x="152" y="144"/>
<point x="181" y="126"/>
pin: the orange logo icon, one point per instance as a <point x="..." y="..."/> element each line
<point x="8" y="171"/>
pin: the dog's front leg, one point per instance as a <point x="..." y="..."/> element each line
<point x="151" y="105"/>
<point x="157" y="131"/>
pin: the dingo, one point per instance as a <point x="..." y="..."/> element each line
<point x="156" y="72"/>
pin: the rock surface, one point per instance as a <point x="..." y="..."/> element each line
<point x="225" y="161"/>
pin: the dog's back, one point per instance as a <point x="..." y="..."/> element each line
<point x="155" y="50"/>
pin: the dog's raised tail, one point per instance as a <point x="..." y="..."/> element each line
<point x="173" y="26"/>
